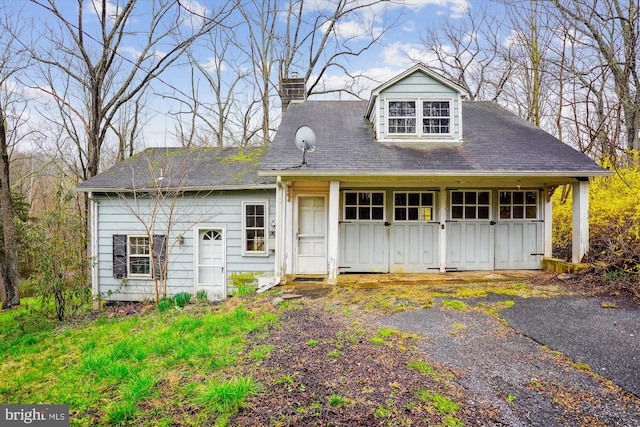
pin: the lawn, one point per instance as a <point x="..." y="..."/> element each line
<point x="181" y="366"/>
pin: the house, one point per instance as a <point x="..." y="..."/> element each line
<point x="184" y="218"/>
<point x="415" y="180"/>
<point x="419" y="180"/>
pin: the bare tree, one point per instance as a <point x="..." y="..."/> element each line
<point x="306" y="39"/>
<point x="468" y="52"/>
<point x="610" y="28"/>
<point x="91" y="76"/>
<point x="13" y="60"/>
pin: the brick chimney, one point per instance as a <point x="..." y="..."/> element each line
<point x="292" y="89"/>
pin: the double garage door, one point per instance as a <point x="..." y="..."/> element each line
<point x="400" y="231"/>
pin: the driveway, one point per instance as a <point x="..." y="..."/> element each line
<point x="519" y="364"/>
<point x="590" y="331"/>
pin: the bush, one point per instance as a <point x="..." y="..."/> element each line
<point x="614" y="221"/>
<point x="59" y="262"/>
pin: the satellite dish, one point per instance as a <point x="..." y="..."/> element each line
<point x="305" y="141"/>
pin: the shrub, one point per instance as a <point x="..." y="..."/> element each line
<point x="614" y="220"/>
<point x="182" y="299"/>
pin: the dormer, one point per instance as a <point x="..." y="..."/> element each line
<point x="417" y="106"/>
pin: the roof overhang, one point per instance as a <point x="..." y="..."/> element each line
<point x="304" y="173"/>
<point x="181" y="189"/>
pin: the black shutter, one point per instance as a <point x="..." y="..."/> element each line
<point x="119" y="256"/>
<point x="159" y="255"/>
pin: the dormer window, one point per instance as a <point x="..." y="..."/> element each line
<point x="402" y="117"/>
<point x="436" y="117"/>
<point x="405" y="114"/>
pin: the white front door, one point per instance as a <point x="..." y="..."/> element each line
<point x="210" y="263"/>
<point x="311" y="235"/>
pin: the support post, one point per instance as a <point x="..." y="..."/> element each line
<point x="548" y="223"/>
<point x="333" y="235"/>
<point x="443" y="230"/>
<point x="580" y="245"/>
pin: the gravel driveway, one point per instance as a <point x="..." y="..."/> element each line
<point x="530" y="384"/>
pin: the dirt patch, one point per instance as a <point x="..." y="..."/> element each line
<point x="336" y="364"/>
<point x="330" y="369"/>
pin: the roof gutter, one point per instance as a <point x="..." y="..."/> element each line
<point x="405" y="173"/>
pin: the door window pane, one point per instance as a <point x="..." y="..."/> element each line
<point x="470" y="205"/>
<point x="413" y="206"/>
<point x="364" y="206"/>
<point x="518" y="205"/>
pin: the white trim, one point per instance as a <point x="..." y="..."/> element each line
<point x="265" y="251"/>
<point x="419" y="117"/>
<point x="548" y="224"/>
<point x="131" y="275"/>
<point x="580" y="238"/>
<point x="443" y="229"/>
<point x="333" y="233"/>
<point x="94" y="210"/>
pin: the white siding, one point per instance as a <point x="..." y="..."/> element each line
<point x="119" y="215"/>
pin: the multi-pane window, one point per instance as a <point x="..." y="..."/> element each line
<point x="255" y="227"/>
<point x="139" y="256"/>
<point x="436" y="117"/>
<point x="410" y="206"/>
<point x="364" y="205"/>
<point x="470" y="205"/>
<point x="518" y="205"/>
<point x="402" y="117"/>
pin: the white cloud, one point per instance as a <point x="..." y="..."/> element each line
<point x="135" y="53"/>
<point x="349" y="30"/>
<point x="197" y="13"/>
<point x="212" y="64"/>
<point x="95" y="10"/>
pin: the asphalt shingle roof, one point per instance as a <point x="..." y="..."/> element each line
<point x="495" y="141"/>
<point x="183" y="168"/>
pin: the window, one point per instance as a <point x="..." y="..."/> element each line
<point x="413" y="206"/>
<point x="255" y="228"/>
<point x="470" y="205"/>
<point x="518" y="205"/>
<point x="132" y="256"/>
<point x="139" y="256"/>
<point x="436" y="117"/>
<point x="403" y="117"/>
<point x="364" y="206"/>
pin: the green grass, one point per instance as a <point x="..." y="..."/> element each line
<point x="454" y="304"/>
<point x="146" y="369"/>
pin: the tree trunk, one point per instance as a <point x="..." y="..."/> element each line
<point x="9" y="264"/>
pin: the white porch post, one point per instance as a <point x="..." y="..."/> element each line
<point x="289" y="232"/>
<point x="580" y="229"/>
<point x="333" y="231"/>
<point x="548" y="224"/>
<point x="443" y="230"/>
<point x="280" y="231"/>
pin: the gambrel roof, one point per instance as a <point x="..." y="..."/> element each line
<point x="496" y="142"/>
<point x="186" y="169"/>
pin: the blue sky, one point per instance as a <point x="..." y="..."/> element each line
<point x="397" y="49"/>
